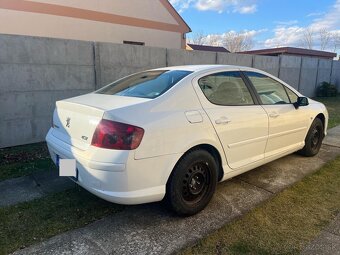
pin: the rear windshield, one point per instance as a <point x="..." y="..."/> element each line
<point x="150" y="84"/>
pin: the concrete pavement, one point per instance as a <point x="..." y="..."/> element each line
<point x="328" y="242"/>
<point x="333" y="137"/>
<point x="26" y="188"/>
<point x="151" y="229"/>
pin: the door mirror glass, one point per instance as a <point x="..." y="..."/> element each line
<point x="301" y="101"/>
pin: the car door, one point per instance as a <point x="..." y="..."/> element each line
<point x="287" y="125"/>
<point x="240" y="122"/>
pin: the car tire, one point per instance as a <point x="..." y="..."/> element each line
<point x="192" y="183"/>
<point x="313" y="139"/>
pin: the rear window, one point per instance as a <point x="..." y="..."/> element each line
<point x="150" y="84"/>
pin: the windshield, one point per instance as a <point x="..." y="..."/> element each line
<point x="150" y="84"/>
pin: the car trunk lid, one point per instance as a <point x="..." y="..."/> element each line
<point x="75" y="119"/>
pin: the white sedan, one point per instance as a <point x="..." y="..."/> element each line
<point x="173" y="133"/>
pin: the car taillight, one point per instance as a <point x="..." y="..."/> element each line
<point x="115" y="135"/>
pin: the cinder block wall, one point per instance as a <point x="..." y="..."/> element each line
<point x="114" y="61"/>
<point x="289" y="71"/>
<point x="36" y="72"/>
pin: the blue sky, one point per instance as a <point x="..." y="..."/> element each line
<point x="271" y="23"/>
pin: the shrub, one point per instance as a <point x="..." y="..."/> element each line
<point x="326" y="89"/>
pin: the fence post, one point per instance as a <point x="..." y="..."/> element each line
<point x="97" y="69"/>
<point x="298" y="88"/>
<point x="317" y="75"/>
<point x="330" y="76"/>
<point x="279" y="71"/>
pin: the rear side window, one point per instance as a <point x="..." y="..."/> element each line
<point x="150" y="84"/>
<point x="269" y="90"/>
<point x="226" y="88"/>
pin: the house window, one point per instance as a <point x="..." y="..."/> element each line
<point x="134" y="43"/>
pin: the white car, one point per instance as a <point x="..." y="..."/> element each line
<point x="173" y="133"/>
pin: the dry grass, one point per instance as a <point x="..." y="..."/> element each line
<point x="23" y="160"/>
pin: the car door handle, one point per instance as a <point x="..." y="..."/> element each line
<point x="222" y="121"/>
<point x="274" y="115"/>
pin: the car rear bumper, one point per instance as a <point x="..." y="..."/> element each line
<point x="129" y="182"/>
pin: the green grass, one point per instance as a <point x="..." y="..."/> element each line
<point x="284" y="224"/>
<point x="31" y="222"/>
<point x="23" y="160"/>
<point x="333" y="107"/>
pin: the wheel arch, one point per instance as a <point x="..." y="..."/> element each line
<point x="322" y="117"/>
<point x="213" y="151"/>
<point x="217" y="156"/>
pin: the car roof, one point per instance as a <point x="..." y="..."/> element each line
<point x="212" y="68"/>
<point x="197" y="68"/>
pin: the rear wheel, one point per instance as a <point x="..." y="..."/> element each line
<point x="313" y="139"/>
<point x="192" y="182"/>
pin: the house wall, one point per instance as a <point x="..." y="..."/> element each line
<point x="145" y="9"/>
<point x="146" y="21"/>
<point x="36" y="72"/>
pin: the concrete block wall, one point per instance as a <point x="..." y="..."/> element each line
<point x="290" y="70"/>
<point x="177" y="57"/>
<point x="335" y="76"/>
<point x="114" y="61"/>
<point x="308" y="76"/>
<point x="324" y="71"/>
<point x="267" y="64"/>
<point x="234" y="59"/>
<point x="36" y="72"/>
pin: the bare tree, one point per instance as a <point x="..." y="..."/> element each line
<point x="236" y="42"/>
<point x="324" y="37"/>
<point x="335" y="40"/>
<point x="213" y="40"/>
<point x="308" y="38"/>
<point x="198" y="38"/>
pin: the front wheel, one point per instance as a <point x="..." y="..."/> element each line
<point x="192" y="183"/>
<point x="313" y="139"/>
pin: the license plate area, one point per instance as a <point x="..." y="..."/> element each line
<point x="67" y="167"/>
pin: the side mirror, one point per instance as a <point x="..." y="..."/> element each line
<point x="301" y="101"/>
